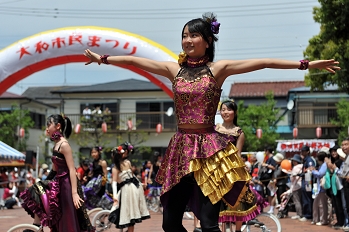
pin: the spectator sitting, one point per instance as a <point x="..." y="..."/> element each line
<point x="9" y="196"/>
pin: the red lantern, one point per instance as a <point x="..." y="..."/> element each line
<point x="77" y="128"/>
<point x="104" y="127"/>
<point x="158" y="128"/>
<point x="295" y="132"/>
<point x="21" y="132"/>
<point x="318" y="132"/>
<point x="129" y="124"/>
<point x="259" y="133"/>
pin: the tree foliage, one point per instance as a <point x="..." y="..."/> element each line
<point x="331" y="42"/>
<point x="10" y="122"/>
<point x="263" y="116"/>
<point x="342" y="120"/>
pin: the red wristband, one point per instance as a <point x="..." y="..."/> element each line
<point x="104" y="59"/>
<point x="303" y="65"/>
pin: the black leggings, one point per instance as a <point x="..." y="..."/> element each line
<point x="179" y="198"/>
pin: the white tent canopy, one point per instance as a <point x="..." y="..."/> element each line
<point x="7" y="152"/>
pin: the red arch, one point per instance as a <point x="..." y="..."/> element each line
<point x="30" y="69"/>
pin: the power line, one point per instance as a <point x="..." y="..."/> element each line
<point x="165" y="16"/>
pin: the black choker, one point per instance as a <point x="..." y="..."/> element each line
<point x="197" y="62"/>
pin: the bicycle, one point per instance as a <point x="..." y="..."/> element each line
<point x="264" y="222"/>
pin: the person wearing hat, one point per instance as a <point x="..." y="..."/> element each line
<point x="43" y="171"/>
<point x="307" y="199"/>
<point x="280" y="180"/>
<point x="296" y="185"/>
<point x="334" y="156"/>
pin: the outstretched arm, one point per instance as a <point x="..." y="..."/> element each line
<point x="224" y="68"/>
<point x="164" y="68"/>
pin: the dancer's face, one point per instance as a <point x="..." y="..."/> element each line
<point x="94" y="154"/>
<point x="193" y="44"/>
<point x="51" y="127"/>
<point x="227" y="114"/>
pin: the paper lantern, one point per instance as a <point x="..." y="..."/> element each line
<point x="158" y="128"/>
<point x="77" y="128"/>
<point x="21" y="132"/>
<point x="104" y="127"/>
<point x="318" y="132"/>
<point x="259" y="133"/>
<point x="129" y="124"/>
<point x="295" y="132"/>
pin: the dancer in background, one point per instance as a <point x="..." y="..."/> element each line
<point x="246" y="207"/>
<point x="197" y="153"/>
<point x="57" y="201"/>
<point x="130" y="200"/>
<point x="95" y="188"/>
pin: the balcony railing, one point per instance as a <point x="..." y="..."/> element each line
<point x="118" y="122"/>
<point x="313" y="116"/>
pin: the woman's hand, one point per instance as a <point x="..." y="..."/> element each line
<point x="94" y="57"/>
<point x="329" y="65"/>
<point x="77" y="200"/>
<point x="116" y="202"/>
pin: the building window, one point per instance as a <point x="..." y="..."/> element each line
<point x="39" y="120"/>
<point x="100" y="112"/>
<point x="149" y="114"/>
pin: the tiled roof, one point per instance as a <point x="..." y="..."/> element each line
<point x="44" y="92"/>
<point x="258" y="89"/>
<point x="10" y="95"/>
<point x="129" y="85"/>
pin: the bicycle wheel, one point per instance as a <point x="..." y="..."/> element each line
<point x="21" y="227"/>
<point x="100" y="221"/>
<point x="93" y="211"/>
<point x="267" y="223"/>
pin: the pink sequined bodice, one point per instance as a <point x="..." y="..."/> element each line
<point x="196" y="96"/>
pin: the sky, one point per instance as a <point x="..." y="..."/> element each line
<point x="249" y="29"/>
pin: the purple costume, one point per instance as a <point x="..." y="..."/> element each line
<point x="52" y="201"/>
<point x="218" y="170"/>
<point x="250" y="205"/>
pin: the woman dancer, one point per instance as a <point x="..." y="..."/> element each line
<point x="95" y="188"/>
<point x="197" y="153"/>
<point x="247" y="207"/>
<point x="57" y="201"/>
<point x="130" y="199"/>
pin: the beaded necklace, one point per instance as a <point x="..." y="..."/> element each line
<point x="197" y="62"/>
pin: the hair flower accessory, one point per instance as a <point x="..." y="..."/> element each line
<point x="215" y="26"/>
<point x="182" y="57"/>
<point x="211" y="18"/>
<point x="120" y="149"/>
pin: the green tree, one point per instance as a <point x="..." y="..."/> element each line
<point x="10" y="122"/>
<point x="263" y="116"/>
<point x="342" y="120"/>
<point x="331" y="42"/>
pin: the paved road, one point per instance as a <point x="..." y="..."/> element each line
<point x="9" y="218"/>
